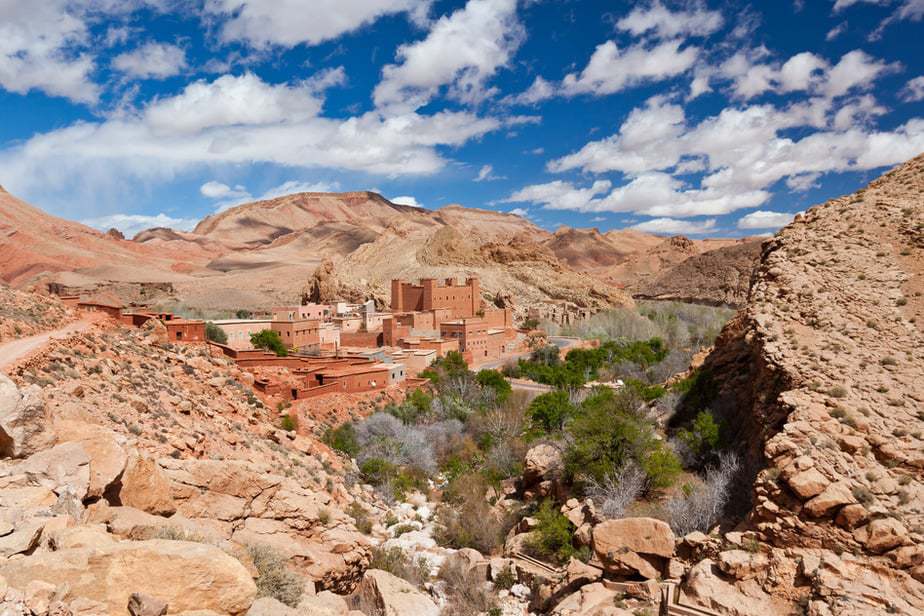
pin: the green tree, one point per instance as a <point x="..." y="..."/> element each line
<point x="269" y="340"/>
<point x="662" y="466"/>
<point x="215" y="333"/>
<point x="496" y="381"/>
<point x="243" y="314"/>
<point x="549" y="412"/>
<point x="342" y="438"/>
<point x="703" y="435"/>
<point x="553" y="534"/>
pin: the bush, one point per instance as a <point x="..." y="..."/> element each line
<point x="613" y="494"/>
<point x="342" y="438"/>
<point x="466" y="594"/>
<point x="243" y="314"/>
<point x="468" y="520"/>
<point x="269" y="340"/>
<point x="703" y="435"/>
<point x="662" y="466"/>
<point x="288" y="423"/>
<point x="699" y="507"/>
<point x="553" y="533"/>
<point x="495" y="380"/>
<point x="360" y="517"/>
<point x="548" y="412"/>
<point x="396" y="562"/>
<point x="384" y="437"/>
<point x="215" y="333"/>
<point x="273" y="577"/>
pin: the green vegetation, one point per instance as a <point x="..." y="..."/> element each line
<point x="288" y="423"/>
<point x="496" y="381"/>
<point x="215" y="333"/>
<point x="269" y="340"/>
<point x="703" y="435"/>
<point x="548" y="412"/>
<point x="342" y="438"/>
<point x="553" y="534"/>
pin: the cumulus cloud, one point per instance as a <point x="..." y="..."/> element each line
<point x="151" y="61"/>
<point x="294" y="186"/>
<point x="217" y="190"/>
<point x="40" y="45"/>
<point x="913" y="90"/>
<point x="673" y="226"/>
<point x="803" y="181"/>
<point x="263" y="23"/>
<point x="406" y="200"/>
<point x="231" y="120"/>
<point x="131" y="224"/>
<point x="518" y="211"/>
<point x="228" y="197"/>
<point x="664" y="23"/>
<point x="560" y="195"/>
<point x="612" y="70"/>
<point x="462" y="51"/>
<point x="763" y="219"/>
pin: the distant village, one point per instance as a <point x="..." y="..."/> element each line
<point x="350" y="348"/>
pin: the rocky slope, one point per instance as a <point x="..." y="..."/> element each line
<point x="820" y="378"/>
<point x="23" y="314"/>
<point x="721" y="276"/>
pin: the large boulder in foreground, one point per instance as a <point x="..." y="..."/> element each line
<point x="634" y="546"/>
<point x="383" y="594"/>
<point x="187" y="576"/>
<point x="23" y="420"/>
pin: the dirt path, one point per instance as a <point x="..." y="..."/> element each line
<point x="14" y="350"/>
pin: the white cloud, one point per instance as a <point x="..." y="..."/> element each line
<point x="406" y="200"/>
<point x="856" y="69"/>
<point x="665" y="23"/>
<point x="40" y="45"/>
<point x="462" y="50"/>
<point x="131" y="224"/>
<point x="762" y="219"/>
<point x="611" y="69"/>
<point x="803" y="182"/>
<point x="673" y="226"/>
<point x="263" y="23"/>
<point x="559" y="195"/>
<point x="151" y="61"/>
<point x="840" y="5"/>
<point x="836" y="31"/>
<point x="913" y="90"/>
<point x="540" y="90"/>
<point x="230" y="121"/>
<point x="486" y="174"/>
<point x="518" y="211"/>
<point x="217" y="190"/>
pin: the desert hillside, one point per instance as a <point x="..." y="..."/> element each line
<point x="820" y="378"/>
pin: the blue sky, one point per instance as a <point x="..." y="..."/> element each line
<point x="702" y="118"/>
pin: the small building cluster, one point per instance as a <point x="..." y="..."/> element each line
<point x="344" y="347"/>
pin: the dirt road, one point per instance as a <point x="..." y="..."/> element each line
<point x="14" y="350"/>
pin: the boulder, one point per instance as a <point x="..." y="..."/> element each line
<point x="743" y="565"/>
<point x="808" y="483"/>
<point x="383" y="594"/>
<point x="140" y="604"/>
<point x="707" y="589"/>
<point x="187" y="576"/>
<point x="640" y="545"/>
<point x="885" y="534"/>
<point x="833" y="496"/>
<point x="24" y="420"/>
<point x="63" y="469"/>
<point x="543" y="463"/>
<point x="591" y="600"/>
<point x="145" y="487"/>
<point x="107" y="457"/>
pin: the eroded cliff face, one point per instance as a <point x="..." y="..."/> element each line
<point x="820" y="379"/>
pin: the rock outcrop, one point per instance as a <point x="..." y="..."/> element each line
<point x="820" y="379"/>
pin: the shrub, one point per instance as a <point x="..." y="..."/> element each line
<point x="548" y="412"/>
<point x="645" y="391"/>
<point x="215" y="333"/>
<point x="703" y="435"/>
<point x="466" y="594"/>
<point x="269" y="340"/>
<point x="495" y="381"/>
<point x="613" y="494"/>
<point x="384" y="437"/>
<point x="361" y="518"/>
<point x="662" y="466"/>
<point x="288" y="423"/>
<point x="505" y="579"/>
<point x="468" y="520"/>
<point x="553" y="533"/>
<point x="342" y="438"/>
<point x="243" y="314"/>
<point x="699" y="507"/>
<point x="396" y="562"/>
<point x="273" y="577"/>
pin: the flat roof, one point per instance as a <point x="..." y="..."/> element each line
<point x="240" y="321"/>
